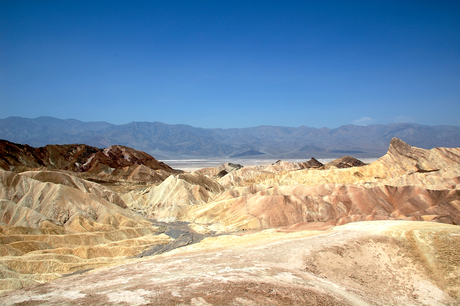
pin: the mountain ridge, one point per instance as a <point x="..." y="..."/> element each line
<point x="167" y="141"/>
<point x="114" y="161"/>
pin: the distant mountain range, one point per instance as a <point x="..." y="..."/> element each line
<point x="165" y="141"/>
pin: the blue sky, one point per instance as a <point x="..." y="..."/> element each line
<point x="232" y="63"/>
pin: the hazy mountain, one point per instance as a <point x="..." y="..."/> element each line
<point x="184" y="141"/>
<point x="47" y="130"/>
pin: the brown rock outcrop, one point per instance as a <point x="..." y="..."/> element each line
<point x="120" y="157"/>
<point x="77" y="158"/>
<point x="219" y="171"/>
<point x="345" y="162"/>
<point x="286" y="166"/>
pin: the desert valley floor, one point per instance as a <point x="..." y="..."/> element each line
<point x="86" y="226"/>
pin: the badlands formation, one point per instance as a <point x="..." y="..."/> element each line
<point x="82" y="225"/>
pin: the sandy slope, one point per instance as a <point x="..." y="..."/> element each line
<point x="54" y="223"/>
<point x="366" y="263"/>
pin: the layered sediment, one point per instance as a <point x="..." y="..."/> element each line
<point x="296" y="233"/>
<point x="406" y="184"/>
<point x="52" y="224"/>
<point x="346" y="265"/>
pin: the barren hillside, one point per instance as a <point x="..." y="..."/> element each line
<point x="285" y="234"/>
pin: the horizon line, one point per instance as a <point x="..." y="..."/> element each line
<point x="212" y="128"/>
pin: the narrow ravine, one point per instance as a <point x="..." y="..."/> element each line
<point x="180" y="231"/>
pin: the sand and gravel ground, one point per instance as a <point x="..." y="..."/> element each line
<point x="366" y="263"/>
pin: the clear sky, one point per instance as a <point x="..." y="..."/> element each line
<point x="232" y="63"/>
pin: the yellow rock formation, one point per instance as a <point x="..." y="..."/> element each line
<point x="53" y="223"/>
<point x="406" y="184"/>
<point x="56" y="222"/>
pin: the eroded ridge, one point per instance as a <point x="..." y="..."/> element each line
<point x="290" y="233"/>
